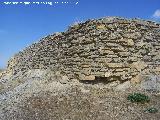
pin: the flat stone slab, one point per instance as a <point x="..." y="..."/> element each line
<point x="151" y="83"/>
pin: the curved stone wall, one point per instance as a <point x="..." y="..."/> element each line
<point x="108" y="48"/>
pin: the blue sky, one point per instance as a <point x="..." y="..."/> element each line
<point x="21" y="25"/>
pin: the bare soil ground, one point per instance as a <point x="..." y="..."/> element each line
<point x="83" y="104"/>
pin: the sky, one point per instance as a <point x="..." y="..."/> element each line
<point x="22" y="24"/>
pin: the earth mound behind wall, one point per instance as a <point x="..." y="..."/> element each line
<point x="108" y="49"/>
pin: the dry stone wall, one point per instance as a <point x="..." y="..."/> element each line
<point x="109" y="48"/>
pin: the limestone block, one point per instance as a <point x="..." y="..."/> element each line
<point x="139" y="65"/>
<point x="122" y="69"/>
<point x="115" y="65"/>
<point x="101" y="26"/>
<point x="157" y="69"/>
<point x="118" y="74"/>
<point x="2" y="72"/>
<point x="85" y="65"/>
<point x="103" y="69"/>
<point x="110" y="52"/>
<point x="118" y="49"/>
<point x="112" y="45"/>
<point x="86" y="71"/>
<point x="140" y="44"/>
<point x="130" y="42"/>
<point x="136" y="80"/>
<point x="132" y="59"/>
<point x="112" y="56"/>
<point x="87" y="41"/>
<point x="124" y="54"/>
<point x="88" y="60"/>
<point x="84" y="54"/>
<point x="74" y="41"/>
<point x="106" y="60"/>
<point x="108" y="20"/>
<point x="100" y="74"/>
<point x="135" y="35"/>
<point x="108" y="74"/>
<point x="125" y="77"/>
<point x="90" y="77"/>
<point x="114" y="36"/>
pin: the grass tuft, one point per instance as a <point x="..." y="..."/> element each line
<point x="138" y="97"/>
<point x="151" y="110"/>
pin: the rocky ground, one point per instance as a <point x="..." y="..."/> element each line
<point x="42" y="95"/>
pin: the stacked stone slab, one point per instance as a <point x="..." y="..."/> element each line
<point x="109" y="48"/>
